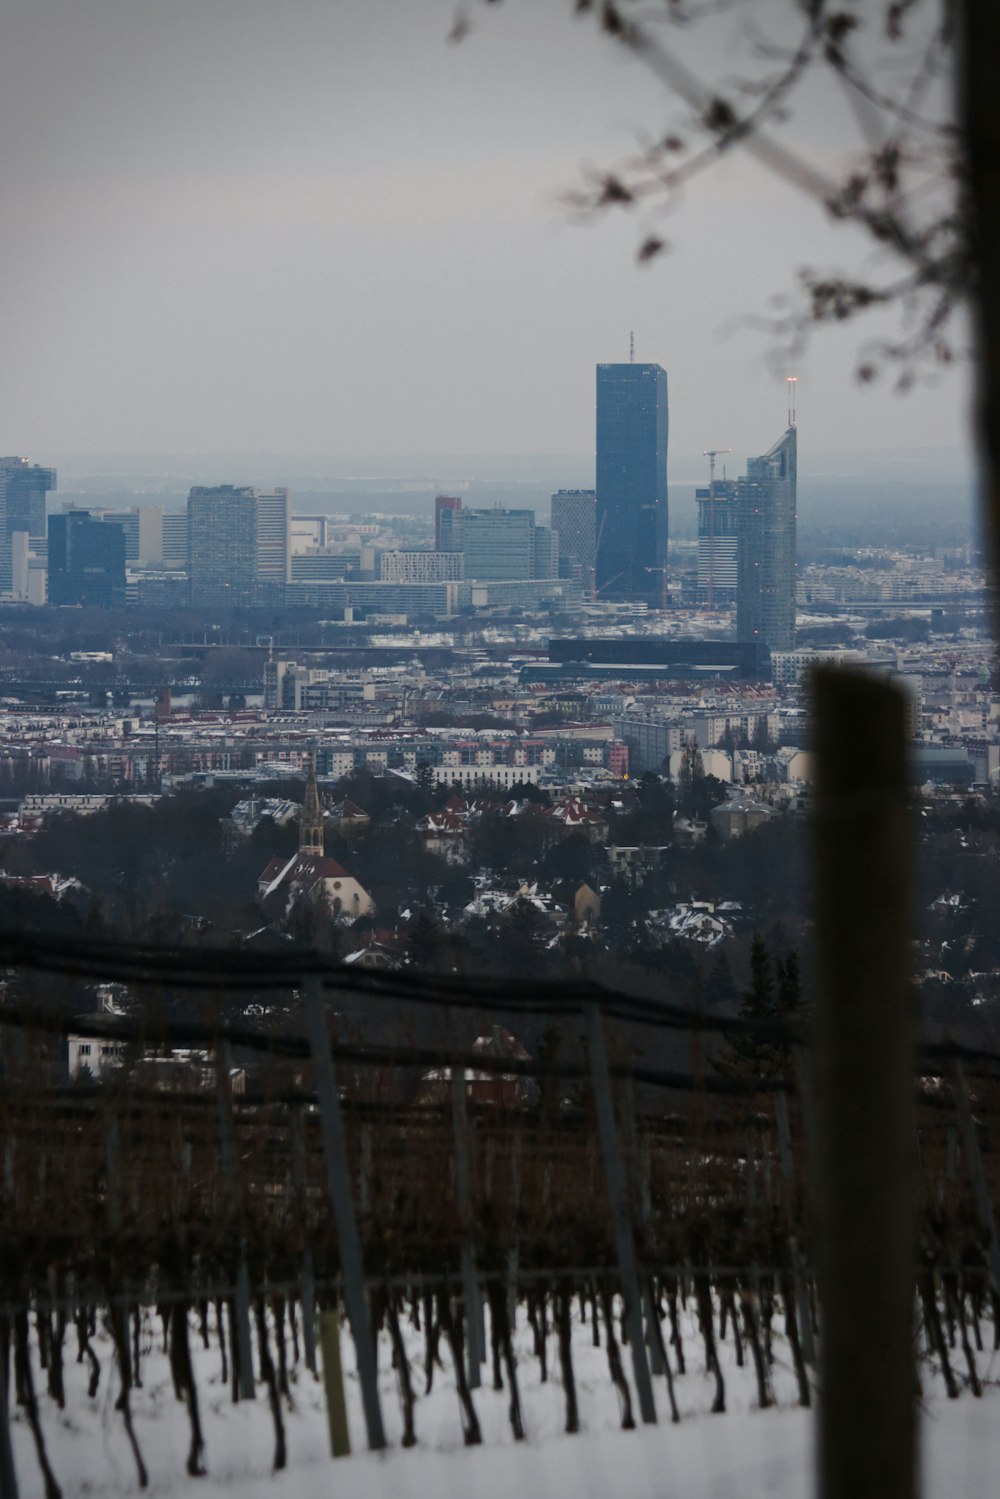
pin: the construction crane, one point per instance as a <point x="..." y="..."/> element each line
<point x="711" y="454"/>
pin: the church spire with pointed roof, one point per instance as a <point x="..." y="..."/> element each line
<point x="311" y="821"/>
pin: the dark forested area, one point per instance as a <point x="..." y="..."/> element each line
<point x="503" y="899"/>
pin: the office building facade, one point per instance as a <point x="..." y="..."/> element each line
<point x="765" y="586"/>
<point x="175" y="540"/>
<point x="631" y="509"/>
<point x="274" y="545"/>
<point x="545" y="563"/>
<point x="574" y="519"/>
<point x="239" y="545"/>
<point x="319" y="564"/>
<point x="499" y="544"/>
<point x="143" y="527"/>
<point x="421" y="567"/>
<point x="86" y="561"/>
<point x="23" y="490"/>
<point x="309" y="531"/>
<point x="222" y="547"/>
<point x="25" y="486"/>
<point x="405" y="600"/>
<point x="443" y="502"/>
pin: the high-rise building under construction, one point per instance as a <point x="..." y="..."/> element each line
<point x="718" y="542"/>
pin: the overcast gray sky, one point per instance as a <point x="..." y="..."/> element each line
<point x="313" y="226"/>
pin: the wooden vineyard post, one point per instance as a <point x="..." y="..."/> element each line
<point x="243" y="1351"/>
<point x="864" y="1116"/>
<point x="475" y="1347"/>
<point x="308" y="1288"/>
<point x="365" y="1173"/>
<point x="621" y="1223"/>
<point x="788" y="1172"/>
<point x="114" y="1212"/>
<point x="111" y="1155"/>
<point x="333" y="1384"/>
<point x="514" y="1252"/>
<point x="974" y="1167"/>
<point x="8" y="1475"/>
<point x="638" y="1160"/>
<point x="244" y="1341"/>
<point x="338" y="1173"/>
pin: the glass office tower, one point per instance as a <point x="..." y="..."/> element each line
<point x="631" y="481"/>
<point x="765" y="585"/>
<point x="23" y="488"/>
<point x="86" y="561"/>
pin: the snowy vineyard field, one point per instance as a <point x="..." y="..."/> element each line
<point x="414" y="1181"/>
<point x="746" y="1452"/>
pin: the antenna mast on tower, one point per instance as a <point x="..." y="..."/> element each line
<point x="631" y="348"/>
<point x="791" y="381"/>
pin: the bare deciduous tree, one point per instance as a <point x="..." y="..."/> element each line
<point x="921" y="178"/>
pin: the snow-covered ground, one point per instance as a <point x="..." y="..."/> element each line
<point x="745" y="1452"/>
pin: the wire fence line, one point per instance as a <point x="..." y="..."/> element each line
<point x="304" y="1170"/>
<point x="220" y="971"/>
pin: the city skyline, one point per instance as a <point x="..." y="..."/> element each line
<point x="498" y="904"/>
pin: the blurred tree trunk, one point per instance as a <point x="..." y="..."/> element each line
<point x="979" y="117"/>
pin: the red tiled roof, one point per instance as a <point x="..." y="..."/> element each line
<point x="572" y="810"/>
<point x="303" y="867"/>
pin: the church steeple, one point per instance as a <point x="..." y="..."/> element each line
<point x="311" y="821"/>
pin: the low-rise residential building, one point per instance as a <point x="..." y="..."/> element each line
<point x="739" y="815"/>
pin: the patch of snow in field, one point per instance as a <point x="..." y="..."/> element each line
<point x="745" y="1454"/>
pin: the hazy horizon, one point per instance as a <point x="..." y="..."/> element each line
<point x="878" y="492"/>
<point x="236" y="228"/>
<point x="461" y="466"/>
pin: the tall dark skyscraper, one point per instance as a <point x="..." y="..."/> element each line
<point x="86" y="561"/>
<point x="631" y="481"/>
<point x="765" y="585"/>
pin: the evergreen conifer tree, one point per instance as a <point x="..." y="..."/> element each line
<point x="774" y="994"/>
